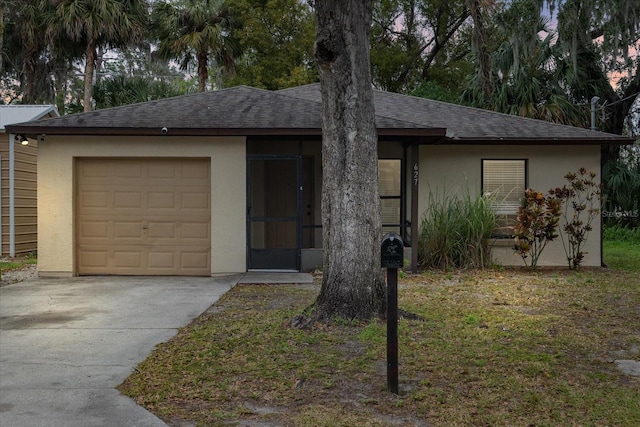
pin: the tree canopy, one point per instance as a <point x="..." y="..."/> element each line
<point x="95" y="24"/>
<point x="536" y="58"/>
<point x="277" y="38"/>
<point x="196" y="30"/>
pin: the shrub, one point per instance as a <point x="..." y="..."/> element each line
<point x="621" y="233"/>
<point x="621" y="192"/>
<point x="581" y="207"/>
<point x="455" y="232"/>
<point x="536" y="224"/>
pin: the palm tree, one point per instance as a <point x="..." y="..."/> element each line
<point x="528" y="75"/>
<point x="25" y="43"/>
<point x="98" y="23"/>
<point x="124" y="90"/>
<point x="598" y="36"/>
<point x="199" y="30"/>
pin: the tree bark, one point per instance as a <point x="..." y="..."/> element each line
<point x="353" y="285"/>
<point x="203" y="71"/>
<point x="89" y="67"/>
<point x="29" y="67"/>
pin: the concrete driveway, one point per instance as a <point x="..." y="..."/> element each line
<point x="66" y="343"/>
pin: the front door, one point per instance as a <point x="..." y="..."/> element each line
<point x="273" y="212"/>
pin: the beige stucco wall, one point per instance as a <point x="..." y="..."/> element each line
<point x="56" y="244"/>
<point x="456" y="168"/>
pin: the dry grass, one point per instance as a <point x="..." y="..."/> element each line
<point x="497" y="347"/>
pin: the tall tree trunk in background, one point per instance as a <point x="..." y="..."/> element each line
<point x="89" y="68"/>
<point x="353" y="285"/>
<point x="99" y="68"/>
<point x="29" y="69"/>
<point x="203" y="71"/>
<point x="1" y="32"/>
<point x="479" y="40"/>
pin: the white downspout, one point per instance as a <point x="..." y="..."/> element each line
<point x="12" y="207"/>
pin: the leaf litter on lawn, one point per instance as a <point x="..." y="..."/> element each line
<point x="495" y="347"/>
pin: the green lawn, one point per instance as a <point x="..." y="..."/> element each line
<point x="506" y="347"/>
<point x="623" y="255"/>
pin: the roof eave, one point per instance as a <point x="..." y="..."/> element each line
<point x="112" y="131"/>
<point x="539" y="141"/>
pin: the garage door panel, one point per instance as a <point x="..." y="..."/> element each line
<point x="132" y="230"/>
<point x="196" y="201"/>
<point x="162" y="260"/>
<point x="163" y="169"/>
<point x="197" y="231"/>
<point x="162" y="230"/>
<point x="94" y="258"/>
<point x="144" y="216"/>
<point x="127" y="259"/>
<point x="127" y="199"/>
<point x="127" y="169"/>
<point x="162" y="200"/>
<point x="194" y="260"/>
<point x="95" y="229"/>
<point x="94" y="199"/>
<point x="196" y="173"/>
<point x="95" y="170"/>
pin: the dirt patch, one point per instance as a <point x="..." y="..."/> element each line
<point x="28" y="272"/>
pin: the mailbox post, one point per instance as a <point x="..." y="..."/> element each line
<point x="392" y="258"/>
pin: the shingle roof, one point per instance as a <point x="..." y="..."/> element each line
<point x="467" y="123"/>
<point x="245" y="110"/>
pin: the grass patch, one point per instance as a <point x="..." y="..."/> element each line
<point x="503" y="348"/>
<point x="8" y="264"/>
<point x="622" y="254"/>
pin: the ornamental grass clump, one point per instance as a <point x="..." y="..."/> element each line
<point x="536" y="224"/>
<point x="455" y="232"/>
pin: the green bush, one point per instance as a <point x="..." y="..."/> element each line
<point x="620" y="233"/>
<point x="455" y="232"/>
<point x="621" y="189"/>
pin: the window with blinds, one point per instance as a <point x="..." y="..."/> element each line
<point x="504" y="182"/>
<point x="389" y="175"/>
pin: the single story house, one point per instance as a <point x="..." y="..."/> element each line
<point x="230" y="181"/>
<point x="18" y="180"/>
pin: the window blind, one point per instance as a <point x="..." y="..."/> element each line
<point x="503" y="181"/>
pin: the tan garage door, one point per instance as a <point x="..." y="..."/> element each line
<point x="143" y="217"/>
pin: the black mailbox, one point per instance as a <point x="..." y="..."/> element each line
<point x="392" y="251"/>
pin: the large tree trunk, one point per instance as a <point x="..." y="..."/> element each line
<point x="353" y="285"/>
<point x="89" y="68"/>
<point x="203" y="71"/>
<point x="29" y="69"/>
